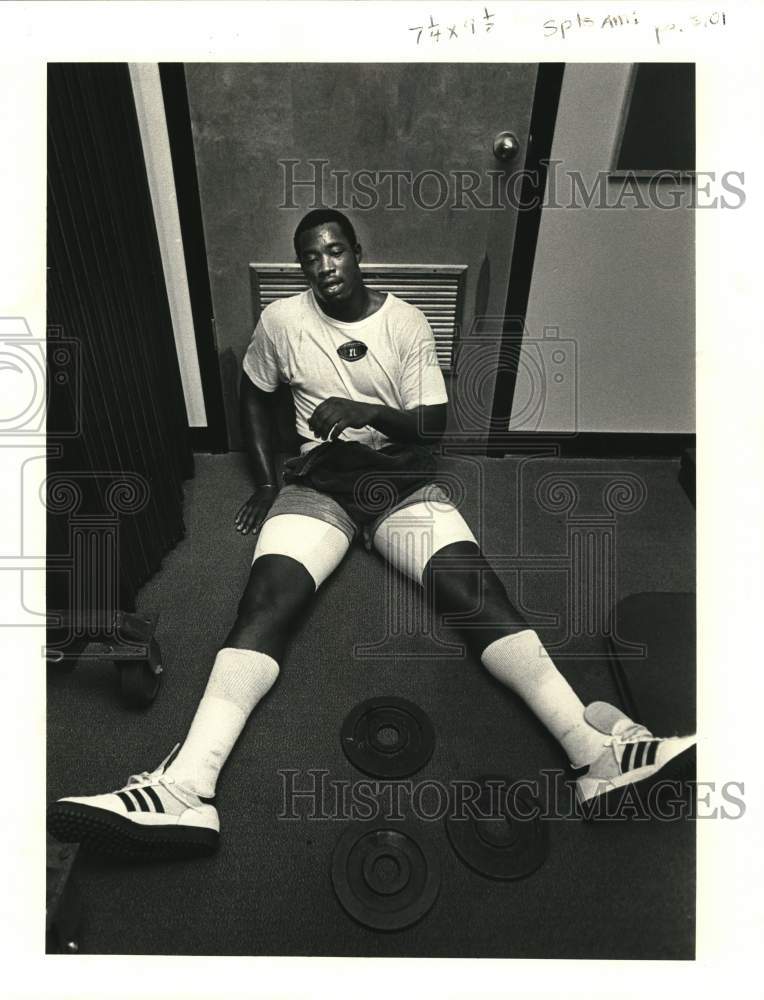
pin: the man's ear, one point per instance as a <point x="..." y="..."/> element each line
<point x="358" y="251"/>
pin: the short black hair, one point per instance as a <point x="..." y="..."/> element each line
<point x="319" y="217"/>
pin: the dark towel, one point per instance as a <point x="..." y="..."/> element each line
<point x="365" y="482"/>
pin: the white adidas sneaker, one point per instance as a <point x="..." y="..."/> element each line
<point x="631" y="756"/>
<point x="151" y="817"/>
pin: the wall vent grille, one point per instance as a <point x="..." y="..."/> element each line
<point x="436" y="289"/>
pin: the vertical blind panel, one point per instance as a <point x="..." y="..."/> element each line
<point x="106" y="293"/>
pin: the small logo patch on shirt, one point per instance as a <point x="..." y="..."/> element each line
<point x="352" y="350"/>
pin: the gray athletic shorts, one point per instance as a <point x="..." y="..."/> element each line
<point x="297" y="499"/>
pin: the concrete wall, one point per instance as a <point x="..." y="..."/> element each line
<point x="618" y="282"/>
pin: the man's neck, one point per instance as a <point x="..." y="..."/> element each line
<point x="360" y="305"/>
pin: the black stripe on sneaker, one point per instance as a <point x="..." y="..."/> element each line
<point x="639" y="753"/>
<point x="154" y="798"/>
<point x="626" y="759"/>
<point x="652" y="750"/>
<point x="140" y="800"/>
<point x="129" y="804"/>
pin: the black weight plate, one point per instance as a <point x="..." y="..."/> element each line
<point x="386" y="878"/>
<point x="388" y="737"/>
<point x="494" y="836"/>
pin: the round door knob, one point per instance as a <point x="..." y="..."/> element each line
<point x="505" y="146"/>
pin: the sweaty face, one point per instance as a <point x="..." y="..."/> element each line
<point x="330" y="263"/>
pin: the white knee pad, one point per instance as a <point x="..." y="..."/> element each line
<point x="318" y="546"/>
<point x="409" y="537"/>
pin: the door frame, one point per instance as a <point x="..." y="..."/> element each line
<point x="546" y="101"/>
<point x="214" y="437"/>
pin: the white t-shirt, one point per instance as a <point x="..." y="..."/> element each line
<point x="297" y="343"/>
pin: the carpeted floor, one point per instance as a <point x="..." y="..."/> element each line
<point x="624" y="890"/>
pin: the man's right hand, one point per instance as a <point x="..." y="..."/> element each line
<point x="251" y="515"/>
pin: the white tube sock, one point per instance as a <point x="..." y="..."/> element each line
<point x="239" y="679"/>
<point x="522" y="663"/>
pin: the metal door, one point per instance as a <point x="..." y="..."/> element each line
<point x="407" y="150"/>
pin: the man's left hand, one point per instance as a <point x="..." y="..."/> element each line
<point x="331" y="417"/>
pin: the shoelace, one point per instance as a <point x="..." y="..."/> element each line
<point x="632" y="733"/>
<point x="150" y="775"/>
<point x="629" y="734"/>
<point x="156" y="777"/>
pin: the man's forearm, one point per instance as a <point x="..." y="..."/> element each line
<point x="423" y="425"/>
<point x="256" y="412"/>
